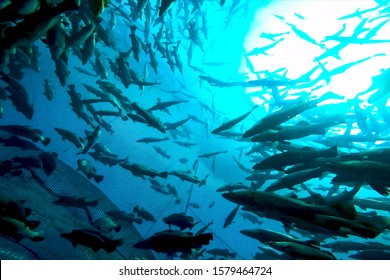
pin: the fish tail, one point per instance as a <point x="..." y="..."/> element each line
<point x="111" y="246"/>
<point x="38" y="236"/>
<point x="46" y="141"/>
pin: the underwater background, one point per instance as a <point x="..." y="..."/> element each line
<point x="216" y="60"/>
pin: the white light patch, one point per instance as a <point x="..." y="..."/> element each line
<point x="297" y="51"/>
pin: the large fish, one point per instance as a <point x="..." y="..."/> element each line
<point x="301" y="251"/>
<point x="141" y="170"/>
<point x="92" y="239"/>
<point x="171" y="242"/>
<point x="229" y="124"/>
<point x="275" y="118"/>
<point x="280" y="207"/>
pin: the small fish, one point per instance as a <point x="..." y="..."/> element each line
<point x="230" y="216"/>
<point x="147" y="216"/>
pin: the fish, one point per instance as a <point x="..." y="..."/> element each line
<point x="163" y="105"/>
<point x="125" y="217"/>
<point x="107" y="225"/>
<point x="232" y="187"/>
<point x="208" y="155"/>
<point x="229" y="124"/>
<point x="149" y="140"/>
<point x="74" y="201"/>
<point x="15" y="141"/>
<point x="164" y="6"/>
<point x="371" y="172"/>
<point x="371" y="255"/>
<point x="187" y="145"/>
<point x="293" y="179"/>
<point x="36" y="24"/>
<point x="19" y="96"/>
<point x="161" y="152"/>
<point x="135" y="45"/>
<point x="180" y="220"/>
<point x="48" y="90"/>
<point x="152" y="57"/>
<point x="251" y="217"/>
<point x="141" y="212"/>
<point x="305" y="155"/>
<point x="141" y="170"/>
<point x="230" y="216"/>
<point x="86" y="167"/>
<point x="72" y="137"/>
<point x="279" y="207"/>
<point x="28" y="132"/>
<point x="91" y="140"/>
<point x="92" y="239"/>
<point x="170" y="242"/>
<point x="370" y="203"/>
<point x="49" y="162"/>
<point x="18" y="230"/>
<point x="151" y="120"/>
<point x="225" y="253"/>
<point x="266" y="235"/>
<point x="204" y="228"/>
<point x="276" y="118"/>
<point x="186" y="176"/>
<point x="104" y="150"/>
<point x="301" y="251"/>
<point x="107" y="160"/>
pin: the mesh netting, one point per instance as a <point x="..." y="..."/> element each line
<point x="39" y="191"/>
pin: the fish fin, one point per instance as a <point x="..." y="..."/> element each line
<point x="346" y="209"/>
<point x="312" y="242"/>
<point x="94" y="203"/>
<point x="383" y="190"/>
<point x="303" y="123"/>
<point x="98" y="178"/>
<point x="118" y="228"/>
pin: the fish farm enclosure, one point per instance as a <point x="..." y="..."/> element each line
<point x="194" y="129"/>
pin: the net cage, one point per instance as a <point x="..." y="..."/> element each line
<point x="37" y="191"/>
